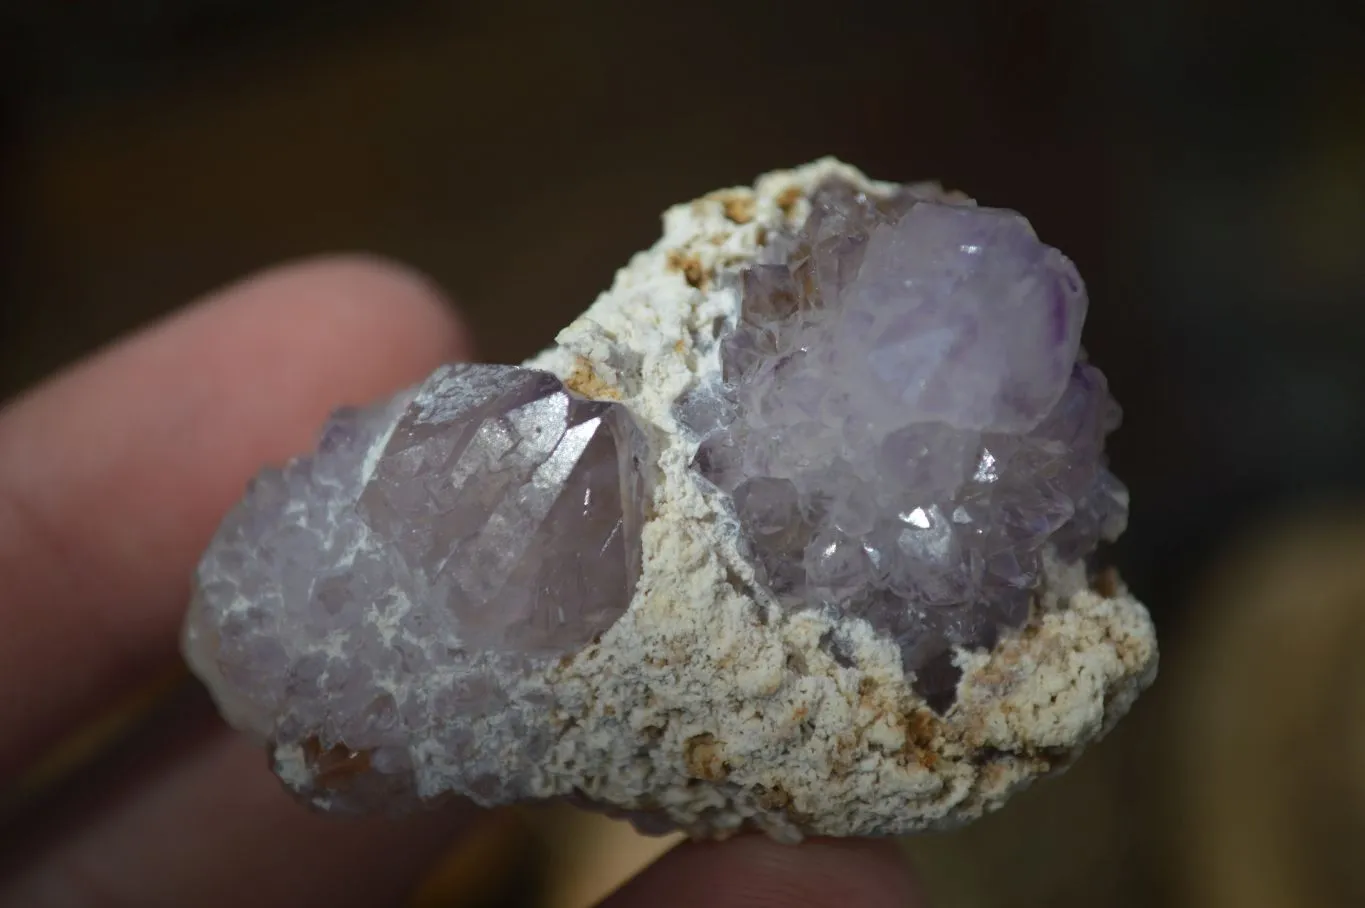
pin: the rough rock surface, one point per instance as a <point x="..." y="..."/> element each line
<point x="706" y="705"/>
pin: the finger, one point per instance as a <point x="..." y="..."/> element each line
<point x="214" y="829"/>
<point x="114" y="474"/>
<point x="755" y="872"/>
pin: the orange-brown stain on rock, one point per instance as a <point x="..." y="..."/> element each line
<point x="689" y="265"/>
<point x="1106" y="582"/>
<point x="774" y="798"/>
<point x="584" y="381"/>
<point x="336" y="767"/>
<point x="920" y="728"/>
<point x="777" y="798"/>
<point x="990" y="773"/>
<point x="1003" y="673"/>
<point x="787" y="199"/>
<point x="993" y="772"/>
<point x="704" y="757"/>
<point x="739" y="208"/>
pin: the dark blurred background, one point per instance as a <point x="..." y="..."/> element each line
<point x="1202" y="161"/>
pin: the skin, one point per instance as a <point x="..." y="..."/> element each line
<point x="113" y="476"/>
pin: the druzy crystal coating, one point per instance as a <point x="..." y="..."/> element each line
<point x="358" y="598"/>
<point x="907" y="421"/>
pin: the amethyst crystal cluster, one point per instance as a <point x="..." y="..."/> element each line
<point x="357" y="599"/>
<point x="907" y="420"/>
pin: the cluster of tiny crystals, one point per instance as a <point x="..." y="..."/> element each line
<point x="907" y="420"/>
<point x="378" y="594"/>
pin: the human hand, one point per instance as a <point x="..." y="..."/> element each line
<point x="113" y="476"/>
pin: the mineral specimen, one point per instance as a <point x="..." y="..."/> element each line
<point x="787" y="530"/>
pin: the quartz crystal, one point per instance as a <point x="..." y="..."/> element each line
<point x="359" y="598"/>
<point x="906" y="418"/>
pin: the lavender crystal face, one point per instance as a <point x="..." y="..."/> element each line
<point x="907" y="419"/>
<point x="383" y="591"/>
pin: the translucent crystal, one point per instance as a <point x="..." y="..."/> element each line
<point x="907" y="419"/>
<point x="358" y="599"/>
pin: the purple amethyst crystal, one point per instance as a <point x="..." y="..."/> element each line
<point x="907" y="420"/>
<point x="383" y="591"/>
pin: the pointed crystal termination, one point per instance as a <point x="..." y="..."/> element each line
<point x="907" y="419"/>
<point x="358" y="599"/>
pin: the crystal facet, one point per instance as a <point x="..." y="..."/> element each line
<point x="907" y="419"/>
<point x="356" y="598"/>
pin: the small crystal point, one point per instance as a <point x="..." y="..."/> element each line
<point x="520" y="502"/>
<point x="909" y="370"/>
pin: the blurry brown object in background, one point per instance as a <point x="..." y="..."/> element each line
<point x="1271" y="723"/>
